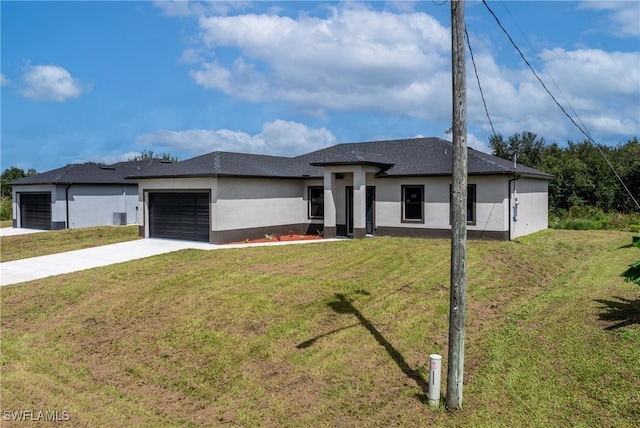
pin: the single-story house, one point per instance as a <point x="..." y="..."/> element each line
<point x="397" y="188"/>
<point x="78" y="195"/>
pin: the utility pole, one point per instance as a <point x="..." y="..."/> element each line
<point x="457" y="302"/>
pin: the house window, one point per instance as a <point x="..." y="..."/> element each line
<point x="413" y="204"/>
<point x="471" y="204"/>
<point x="316" y="202"/>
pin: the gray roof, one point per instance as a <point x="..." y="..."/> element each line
<point x="409" y="157"/>
<point x="90" y="173"/>
<point x="220" y="164"/>
<point x="396" y="158"/>
<point x="422" y="157"/>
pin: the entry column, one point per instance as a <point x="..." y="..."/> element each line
<point x="359" y="203"/>
<point x="330" y="229"/>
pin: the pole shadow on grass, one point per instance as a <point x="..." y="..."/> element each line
<point x="623" y="311"/>
<point x="344" y="306"/>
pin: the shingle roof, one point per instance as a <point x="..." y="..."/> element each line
<point x="233" y="164"/>
<point x="420" y="157"/>
<point x="354" y="157"/>
<point x="90" y="173"/>
<point x="409" y="157"/>
<point x="396" y="158"/>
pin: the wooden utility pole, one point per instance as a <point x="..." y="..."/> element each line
<point x="457" y="303"/>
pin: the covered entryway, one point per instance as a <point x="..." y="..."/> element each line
<point x="35" y="210"/>
<point x="360" y="204"/>
<point x="370" y="203"/>
<point x="179" y="216"/>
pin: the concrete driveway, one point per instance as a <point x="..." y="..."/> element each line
<point x="12" y="231"/>
<point x="56" y="264"/>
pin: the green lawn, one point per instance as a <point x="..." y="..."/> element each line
<point x="40" y="244"/>
<point x="332" y="334"/>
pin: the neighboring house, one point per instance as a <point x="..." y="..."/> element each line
<point x="397" y="188"/>
<point x="78" y="195"/>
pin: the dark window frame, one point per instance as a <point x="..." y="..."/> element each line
<point x="405" y="201"/>
<point x="472" y="196"/>
<point x="319" y="210"/>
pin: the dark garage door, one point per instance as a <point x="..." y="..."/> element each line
<point x="35" y="210"/>
<point x="179" y="216"/>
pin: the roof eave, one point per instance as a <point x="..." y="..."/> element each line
<point x="343" y="163"/>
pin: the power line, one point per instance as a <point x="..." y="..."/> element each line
<point x="542" y="64"/>
<point x="475" y="69"/>
<point x="560" y="106"/>
<point x="613" y="60"/>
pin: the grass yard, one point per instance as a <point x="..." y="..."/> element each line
<point x="40" y="244"/>
<point x="332" y="334"/>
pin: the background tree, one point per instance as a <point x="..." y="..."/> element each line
<point x="582" y="175"/>
<point x="626" y="157"/>
<point x="528" y="148"/>
<point x="11" y="174"/>
<point x="572" y="180"/>
<point x="148" y="154"/>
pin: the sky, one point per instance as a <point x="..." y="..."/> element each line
<point x="104" y="81"/>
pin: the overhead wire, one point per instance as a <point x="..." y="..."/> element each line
<point x="613" y="60"/>
<point x="542" y="64"/>
<point x="475" y="69"/>
<point x="586" y="133"/>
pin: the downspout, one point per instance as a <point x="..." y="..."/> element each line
<point x="517" y="177"/>
<point x="66" y="197"/>
<point x="124" y="203"/>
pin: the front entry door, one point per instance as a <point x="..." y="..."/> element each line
<point x="370" y="222"/>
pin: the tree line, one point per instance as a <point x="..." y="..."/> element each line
<point x="12" y="174"/>
<point x="582" y="175"/>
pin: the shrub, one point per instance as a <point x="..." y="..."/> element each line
<point x="633" y="273"/>
<point x="6" y="208"/>
<point x="583" y="217"/>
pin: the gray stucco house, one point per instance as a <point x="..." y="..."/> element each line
<point x="78" y="195"/>
<point x="397" y="188"/>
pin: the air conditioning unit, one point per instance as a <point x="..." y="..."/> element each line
<point x="119" y="219"/>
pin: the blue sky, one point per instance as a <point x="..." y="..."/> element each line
<point x="103" y="81"/>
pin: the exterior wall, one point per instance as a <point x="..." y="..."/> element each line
<point x="88" y="205"/>
<point x="243" y="208"/>
<point x="247" y="208"/>
<point x="243" y="203"/>
<point x="491" y="206"/>
<point x="532" y="212"/>
<point x="92" y="205"/>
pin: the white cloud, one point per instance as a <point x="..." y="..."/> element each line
<point x="475" y="143"/>
<point x="279" y="137"/>
<point x="334" y="62"/>
<point x="192" y="8"/>
<point x="593" y="86"/>
<point x="399" y="64"/>
<point x="623" y="16"/>
<point x="51" y="83"/>
<point x="601" y="73"/>
<point x="3" y="80"/>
